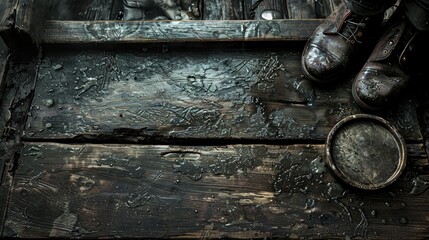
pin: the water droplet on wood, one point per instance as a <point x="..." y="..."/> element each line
<point x="57" y="67"/>
<point x="48" y="102"/>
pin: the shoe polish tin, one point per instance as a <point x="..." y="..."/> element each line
<point x="365" y="151"/>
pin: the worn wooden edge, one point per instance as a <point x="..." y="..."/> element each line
<point x="7" y="12"/>
<point x="14" y="105"/>
<point x="21" y="23"/>
<point x="94" y="190"/>
<point x="3" y="70"/>
<point x="7" y="9"/>
<point x="79" y="32"/>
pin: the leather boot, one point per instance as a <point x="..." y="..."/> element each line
<point x="384" y="76"/>
<point x="335" y="43"/>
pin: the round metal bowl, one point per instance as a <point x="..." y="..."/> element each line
<point x="365" y="151"/>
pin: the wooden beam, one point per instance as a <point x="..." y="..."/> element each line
<point x="81" y="32"/>
<point x="179" y="93"/>
<point x="238" y="191"/>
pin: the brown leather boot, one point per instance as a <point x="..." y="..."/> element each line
<point x="334" y="43"/>
<point x="384" y="76"/>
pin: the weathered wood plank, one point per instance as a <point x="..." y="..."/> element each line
<point x="14" y="107"/>
<point x="17" y="97"/>
<point x="239" y="191"/>
<point x="7" y="13"/>
<point x="223" y="10"/>
<point x="80" y="32"/>
<point x="29" y="24"/>
<point x="97" y="10"/>
<point x="81" y="10"/>
<point x="301" y="9"/>
<point x="7" y="10"/>
<point x="25" y="15"/>
<point x="4" y="55"/>
<point x="176" y="93"/>
<point x="31" y="15"/>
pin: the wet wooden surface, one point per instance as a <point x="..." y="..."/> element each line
<point x="189" y="141"/>
<point x="185" y="94"/>
<point x="81" y="32"/>
<point x="240" y="191"/>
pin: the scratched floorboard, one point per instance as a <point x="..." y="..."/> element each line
<point x="113" y="191"/>
<point x="239" y="191"/>
<point x="186" y="94"/>
<point x="14" y="106"/>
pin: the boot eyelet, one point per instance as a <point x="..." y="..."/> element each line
<point x="352" y="41"/>
<point x="359" y="34"/>
<point x="385" y="52"/>
<point x="390" y="43"/>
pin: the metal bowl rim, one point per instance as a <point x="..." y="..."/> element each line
<point x="397" y="136"/>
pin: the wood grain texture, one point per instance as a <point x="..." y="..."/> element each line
<point x="81" y="32"/>
<point x="14" y="107"/>
<point x="179" y="93"/>
<point x="82" y="10"/>
<point x="30" y="17"/>
<point x="223" y="10"/>
<point x="301" y="9"/>
<point x="239" y="191"/>
<point x="29" y="24"/>
<point x="4" y="55"/>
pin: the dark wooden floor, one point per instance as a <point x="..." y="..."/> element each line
<point x="191" y="140"/>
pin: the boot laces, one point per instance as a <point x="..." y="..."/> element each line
<point x="352" y="29"/>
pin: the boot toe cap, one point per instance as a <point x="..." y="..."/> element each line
<point x="375" y="88"/>
<point x="319" y="65"/>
